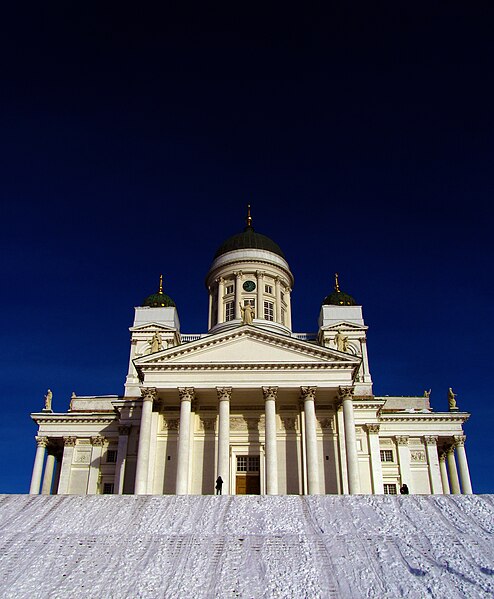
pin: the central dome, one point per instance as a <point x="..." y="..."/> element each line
<point x="249" y="239"/>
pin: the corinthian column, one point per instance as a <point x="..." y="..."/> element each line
<point x="186" y="396"/>
<point x="444" y="473"/>
<point x="224" y="397"/>
<point x="48" y="477"/>
<point x="260" y="293"/>
<point x="41" y="443"/>
<point x="270" y="440"/>
<point x="453" y="472"/>
<point x="148" y="397"/>
<point x="221" y="293"/>
<point x="466" y="484"/>
<point x="346" y="397"/>
<point x="238" y="293"/>
<point x="277" y="290"/>
<point x="309" y="395"/>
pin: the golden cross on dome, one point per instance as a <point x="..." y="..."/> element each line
<point x="160" y="290"/>
<point x="336" y="283"/>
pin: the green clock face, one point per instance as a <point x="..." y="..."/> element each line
<point x="249" y="285"/>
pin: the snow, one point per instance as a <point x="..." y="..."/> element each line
<point x="249" y="547"/>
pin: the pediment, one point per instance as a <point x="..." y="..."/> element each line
<point x="152" y="327"/>
<point x="349" y="326"/>
<point x="246" y="345"/>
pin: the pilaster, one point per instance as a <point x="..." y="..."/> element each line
<point x="433" y="464"/>
<point x="123" y="441"/>
<point x="68" y="454"/>
<point x="404" y="460"/>
<point x="375" y="458"/>
<point x="97" y="443"/>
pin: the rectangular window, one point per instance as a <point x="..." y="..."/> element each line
<point x="229" y="289"/>
<point x="283" y="315"/>
<point x="230" y="311"/>
<point x="269" y="310"/>
<point x="252" y="302"/>
<point x="268" y="289"/>
<point x="107" y="488"/>
<point x="111" y="456"/>
<point x="386" y="455"/>
<point x="241" y="463"/>
<point x="389" y="489"/>
<point x="253" y="463"/>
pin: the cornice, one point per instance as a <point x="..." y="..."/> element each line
<point x="74" y="418"/>
<point x="247" y="366"/>
<point x="430" y="417"/>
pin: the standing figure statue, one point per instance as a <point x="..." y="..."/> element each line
<point x="427" y="394"/>
<point x="156" y="343"/>
<point x="247" y="313"/>
<point x="341" y="341"/>
<point x="452" y="400"/>
<point x="48" y="399"/>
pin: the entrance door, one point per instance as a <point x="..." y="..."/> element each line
<point x="248" y="479"/>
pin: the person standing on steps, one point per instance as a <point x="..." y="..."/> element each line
<point x="219" y="484"/>
<point x="404" y="490"/>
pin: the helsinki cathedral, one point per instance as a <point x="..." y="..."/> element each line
<point x="267" y="409"/>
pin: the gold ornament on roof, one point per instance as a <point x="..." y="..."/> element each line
<point x="249" y="217"/>
<point x="160" y="290"/>
<point x="336" y="283"/>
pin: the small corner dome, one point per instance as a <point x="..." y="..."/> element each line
<point x="249" y="239"/>
<point x="338" y="297"/>
<point x="159" y="299"/>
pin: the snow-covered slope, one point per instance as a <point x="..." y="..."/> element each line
<point x="191" y="547"/>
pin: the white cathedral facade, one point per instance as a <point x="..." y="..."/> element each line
<point x="269" y="410"/>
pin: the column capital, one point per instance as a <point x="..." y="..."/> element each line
<point x="373" y="428"/>
<point x="442" y="457"/>
<point x="238" y="274"/>
<point x="308" y="393"/>
<point x="460" y="440"/>
<point x="69" y="441"/>
<point x="148" y="393"/>
<point x="224" y="393"/>
<point x="402" y="440"/>
<point x="260" y="274"/>
<point x="123" y="430"/>
<point x="345" y="393"/>
<point x="41" y="441"/>
<point x="98" y="441"/>
<point x="269" y="392"/>
<point x="220" y="280"/>
<point x="430" y="440"/>
<point x="186" y="393"/>
<point x="450" y="450"/>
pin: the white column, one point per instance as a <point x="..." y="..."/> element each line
<point x="288" y="322"/>
<point x="346" y="396"/>
<point x="270" y="440"/>
<point x="277" y="291"/>
<point x="444" y="474"/>
<point x="182" y="483"/>
<point x="343" y="471"/>
<point x="260" y="293"/>
<point x="223" y="470"/>
<point x="210" y="309"/>
<point x="433" y="463"/>
<point x="41" y="443"/>
<point x="123" y="441"/>
<point x="68" y="454"/>
<point x="404" y="461"/>
<point x="454" y="481"/>
<point x="304" y="449"/>
<point x="94" y="468"/>
<point x="48" y="477"/>
<point x="466" y="484"/>
<point x="238" y="293"/>
<point x="375" y="458"/>
<point x="148" y="397"/>
<point x="221" y="293"/>
<point x="309" y="395"/>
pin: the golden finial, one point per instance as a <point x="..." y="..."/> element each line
<point x="249" y="217"/>
<point x="160" y="290"/>
<point x="336" y="283"/>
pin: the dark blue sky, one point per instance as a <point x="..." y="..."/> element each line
<point x="132" y="141"/>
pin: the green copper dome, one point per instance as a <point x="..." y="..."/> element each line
<point x="249" y="239"/>
<point x="338" y="297"/>
<point x="160" y="299"/>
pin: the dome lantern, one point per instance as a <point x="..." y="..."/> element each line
<point x="338" y="297"/>
<point x="159" y="299"/>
